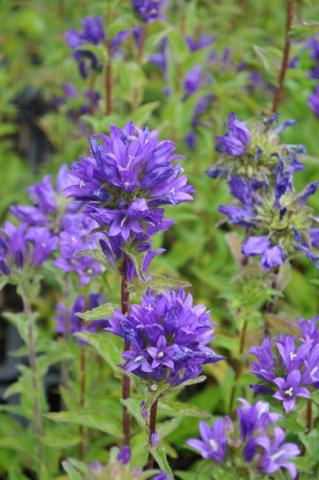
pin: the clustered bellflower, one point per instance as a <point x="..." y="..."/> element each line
<point x="24" y="248"/>
<point x="67" y="318"/>
<point x="148" y="10"/>
<point x="261" y="440"/>
<point x="64" y="221"/>
<point x="277" y="221"/>
<point x="252" y="152"/>
<point x="288" y="366"/>
<point x="124" y="181"/>
<point x="168" y="337"/>
<point x="92" y="33"/>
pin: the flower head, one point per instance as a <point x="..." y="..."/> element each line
<point x="92" y="33"/>
<point x="288" y="367"/>
<point x="148" y="10"/>
<point x="24" y="248"/>
<point x="168" y="337"/>
<point x="261" y="440"/>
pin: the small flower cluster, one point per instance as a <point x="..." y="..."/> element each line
<point x="68" y="321"/>
<point x="24" y="248"/>
<point x="123" y="182"/>
<point x="261" y="440"/>
<point x="148" y="10"/>
<point x="260" y="173"/>
<point x="64" y="223"/>
<point x="92" y="34"/>
<point x="288" y="367"/>
<point x="168" y="337"/>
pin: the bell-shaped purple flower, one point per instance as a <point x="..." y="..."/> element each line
<point x="236" y="140"/>
<point x="278" y="454"/>
<point x="213" y="443"/>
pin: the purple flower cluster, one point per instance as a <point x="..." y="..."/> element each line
<point x="124" y="181"/>
<point x="313" y="101"/>
<point x="313" y="46"/>
<point x="262" y="442"/>
<point x="67" y="320"/>
<point x="288" y="367"/>
<point x="253" y="152"/>
<point x="22" y="247"/>
<point x="277" y="221"/>
<point x="64" y="223"/>
<point x="168" y="337"/>
<point x="148" y="10"/>
<point x="92" y="34"/>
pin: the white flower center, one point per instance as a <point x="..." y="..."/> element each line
<point x="289" y="392"/>
<point x="277" y="455"/>
<point x="292" y="355"/>
<point x="160" y="355"/>
<point x="140" y="358"/>
<point x="213" y="444"/>
<point x="82" y="184"/>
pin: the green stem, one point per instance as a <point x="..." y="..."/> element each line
<point x="37" y="417"/>
<point x="81" y="449"/>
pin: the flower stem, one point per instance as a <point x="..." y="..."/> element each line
<point x="309" y="416"/>
<point x="152" y="430"/>
<point x="37" y="419"/>
<point x="81" y="449"/>
<point x="141" y="47"/>
<point x="290" y="6"/>
<point x="126" y="384"/>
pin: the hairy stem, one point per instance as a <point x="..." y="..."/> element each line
<point x="126" y="384"/>
<point x="290" y="7"/>
<point x="152" y="430"/>
<point x="37" y="418"/>
<point x="81" y="448"/>
<point x="309" y="416"/>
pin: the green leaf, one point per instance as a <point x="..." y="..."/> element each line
<point x="76" y="470"/>
<point x="106" y="345"/>
<point x="134" y="407"/>
<point x="60" y="441"/>
<point x="102" y="311"/>
<point x="178" y="409"/>
<point x="102" y="421"/>
<point x="160" y="457"/>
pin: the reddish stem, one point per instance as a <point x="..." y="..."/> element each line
<point x="126" y="384"/>
<point x="285" y="57"/>
<point x="152" y="430"/>
<point x="309" y="416"/>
